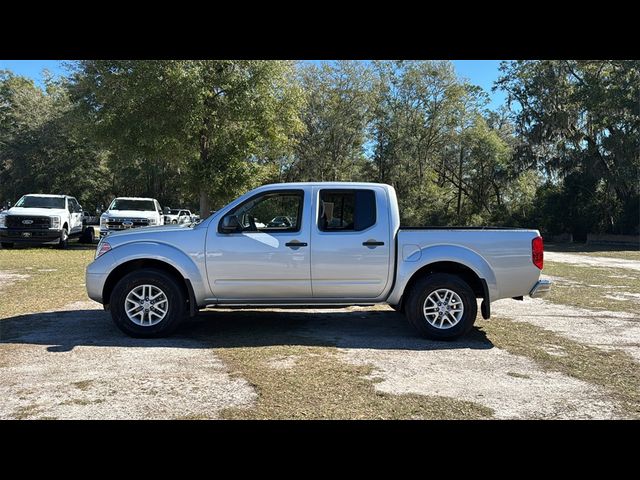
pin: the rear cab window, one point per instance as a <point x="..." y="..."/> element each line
<point x="346" y="210"/>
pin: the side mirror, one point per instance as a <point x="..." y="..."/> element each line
<point x="230" y="224"/>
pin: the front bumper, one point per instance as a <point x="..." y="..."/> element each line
<point x="24" y="235"/>
<point x="541" y="288"/>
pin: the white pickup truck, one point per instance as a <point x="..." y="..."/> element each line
<point x="313" y="244"/>
<point x="43" y="219"/>
<point x="130" y="212"/>
<point x="178" y="216"/>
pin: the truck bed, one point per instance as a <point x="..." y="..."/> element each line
<point x="506" y="252"/>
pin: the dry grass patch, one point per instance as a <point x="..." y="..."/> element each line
<point x="56" y="278"/>
<point x="320" y="386"/>
<point x="627" y="253"/>
<point x="592" y="287"/>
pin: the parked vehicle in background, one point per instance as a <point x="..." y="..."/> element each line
<point x="90" y="219"/>
<point x="178" y="216"/>
<point x="313" y="244"/>
<point x="42" y="219"/>
<point x="130" y="212"/>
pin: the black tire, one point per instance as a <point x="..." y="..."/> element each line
<point x="168" y="284"/>
<point x="174" y="222"/>
<point x="427" y="285"/>
<point x="88" y="235"/>
<point x="7" y="245"/>
<point x="63" y="243"/>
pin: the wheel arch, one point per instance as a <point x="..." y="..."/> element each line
<point x="456" y="260"/>
<point x="139" y="263"/>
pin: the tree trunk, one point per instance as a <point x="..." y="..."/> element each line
<point x="205" y="205"/>
<point x="458" y="210"/>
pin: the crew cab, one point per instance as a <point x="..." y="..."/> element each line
<point x="41" y="219"/>
<point x="130" y="212"/>
<point x="313" y="244"/>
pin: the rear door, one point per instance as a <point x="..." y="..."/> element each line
<point x="351" y="243"/>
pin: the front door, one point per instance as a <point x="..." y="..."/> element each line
<point x="268" y="257"/>
<point x="351" y="242"/>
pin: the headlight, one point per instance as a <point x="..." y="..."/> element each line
<point x="3" y="221"/>
<point x="55" y="223"/>
<point x="103" y="247"/>
<point x="152" y="221"/>
<point x="103" y="221"/>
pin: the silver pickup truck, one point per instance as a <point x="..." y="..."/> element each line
<point x="313" y="244"/>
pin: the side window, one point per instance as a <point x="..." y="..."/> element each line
<point x="70" y="206"/>
<point x="271" y="212"/>
<point x="346" y="210"/>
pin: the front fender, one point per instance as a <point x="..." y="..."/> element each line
<point x="442" y="253"/>
<point x="178" y="259"/>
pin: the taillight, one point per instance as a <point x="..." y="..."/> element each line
<point x="537" y="252"/>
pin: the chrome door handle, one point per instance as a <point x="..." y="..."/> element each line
<point x="295" y="244"/>
<point x="372" y="243"/>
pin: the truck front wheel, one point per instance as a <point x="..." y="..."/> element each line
<point x="148" y="303"/>
<point x="441" y="306"/>
<point x="64" y="239"/>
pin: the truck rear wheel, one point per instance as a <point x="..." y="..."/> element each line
<point x="88" y="235"/>
<point x="441" y="306"/>
<point x="148" y="303"/>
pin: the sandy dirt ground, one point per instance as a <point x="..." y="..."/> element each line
<point x="601" y="328"/>
<point x="8" y="278"/>
<point x="589" y="261"/>
<point x="74" y="364"/>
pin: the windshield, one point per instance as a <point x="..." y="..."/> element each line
<point x="175" y="212"/>
<point x="33" y="201"/>
<point x="124" y="204"/>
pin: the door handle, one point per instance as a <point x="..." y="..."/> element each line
<point x="295" y="244"/>
<point x="372" y="243"/>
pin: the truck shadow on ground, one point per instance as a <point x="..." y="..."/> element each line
<point x="64" y="330"/>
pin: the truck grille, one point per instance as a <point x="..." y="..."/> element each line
<point x="28" y="222"/>
<point x="119" y="223"/>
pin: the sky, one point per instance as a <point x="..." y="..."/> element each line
<point x="477" y="72"/>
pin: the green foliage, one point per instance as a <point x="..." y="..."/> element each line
<point x="562" y="156"/>
<point x="579" y="122"/>
<point x="41" y="147"/>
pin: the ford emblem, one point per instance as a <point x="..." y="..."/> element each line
<point x="127" y="224"/>
<point x="27" y="222"/>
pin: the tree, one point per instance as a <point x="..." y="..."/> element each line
<point x="579" y="122"/>
<point x="220" y="121"/>
<point x="41" y="148"/>
<point x="335" y="116"/>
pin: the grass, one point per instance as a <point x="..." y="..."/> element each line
<point x="321" y="386"/>
<point x="56" y="278"/>
<point x="588" y="287"/>
<point x="624" y="252"/>
<point x="613" y="370"/>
